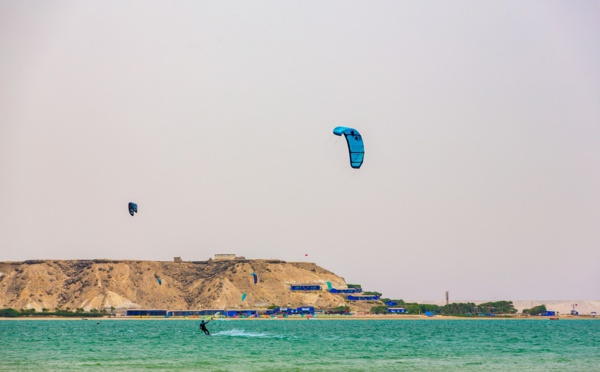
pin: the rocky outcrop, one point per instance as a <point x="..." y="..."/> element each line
<point x="100" y="284"/>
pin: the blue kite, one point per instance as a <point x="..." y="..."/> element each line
<point x="132" y="208"/>
<point x="356" y="147"/>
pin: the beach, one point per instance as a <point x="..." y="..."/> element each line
<point x="313" y="318"/>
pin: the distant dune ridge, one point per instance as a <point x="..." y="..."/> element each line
<point x="101" y="284"/>
<point x="584" y="307"/>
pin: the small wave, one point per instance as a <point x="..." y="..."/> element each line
<point x="241" y="333"/>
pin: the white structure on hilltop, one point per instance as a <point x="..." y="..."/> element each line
<point x="228" y="256"/>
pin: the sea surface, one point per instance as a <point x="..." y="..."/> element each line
<point x="285" y="345"/>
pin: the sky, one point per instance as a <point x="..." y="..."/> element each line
<point x="481" y="124"/>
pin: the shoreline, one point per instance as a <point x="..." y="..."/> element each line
<point x="320" y="317"/>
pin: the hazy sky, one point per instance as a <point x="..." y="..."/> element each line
<point x="481" y="122"/>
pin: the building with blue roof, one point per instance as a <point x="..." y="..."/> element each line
<point x="305" y="310"/>
<point x="146" y="312"/>
<point x="363" y="298"/>
<point x="345" y="291"/>
<point x="184" y="313"/>
<point x="396" y="310"/>
<point x="305" y="287"/>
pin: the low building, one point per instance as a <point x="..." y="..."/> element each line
<point x="391" y="303"/>
<point x="184" y="313"/>
<point x="212" y="312"/>
<point x="338" y="311"/>
<point x="241" y="313"/>
<point x="273" y="311"/>
<point x="302" y="310"/>
<point x="228" y="312"/>
<point x="305" y="310"/>
<point x="224" y="257"/>
<point x="363" y="298"/>
<point x="396" y="310"/>
<point x="177" y="260"/>
<point x="146" y="312"/>
<point x="305" y="287"/>
<point x="346" y="290"/>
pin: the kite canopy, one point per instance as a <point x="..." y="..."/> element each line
<point x="132" y="208"/>
<point x="356" y="147"/>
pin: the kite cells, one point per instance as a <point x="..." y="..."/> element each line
<point x="356" y="147"/>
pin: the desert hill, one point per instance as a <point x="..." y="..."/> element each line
<point x="101" y="284"/>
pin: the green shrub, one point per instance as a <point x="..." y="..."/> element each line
<point x="537" y="310"/>
<point x="9" y="313"/>
<point x="379" y="310"/>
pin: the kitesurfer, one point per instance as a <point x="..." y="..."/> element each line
<point x="203" y="327"/>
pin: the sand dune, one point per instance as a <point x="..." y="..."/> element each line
<point x="584" y="307"/>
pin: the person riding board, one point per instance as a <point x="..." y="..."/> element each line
<point x="203" y="327"/>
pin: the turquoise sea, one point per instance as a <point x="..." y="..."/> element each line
<point x="315" y="345"/>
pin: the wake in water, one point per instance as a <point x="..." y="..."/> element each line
<point x="242" y="333"/>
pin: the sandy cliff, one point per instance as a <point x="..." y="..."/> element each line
<point x="189" y="285"/>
